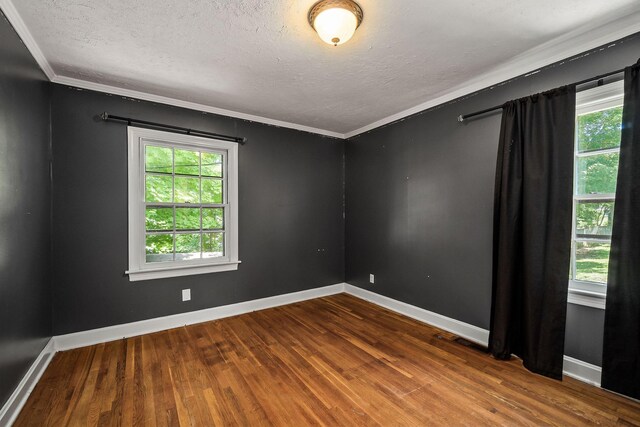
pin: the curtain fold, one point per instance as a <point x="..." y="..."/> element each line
<point x="532" y="230"/>
<point x="620" y="359"/>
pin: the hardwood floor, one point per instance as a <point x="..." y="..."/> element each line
<point x="330" y="361"/>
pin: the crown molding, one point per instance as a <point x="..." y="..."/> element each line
<point x="528" y="63"/>
<point x="145" y="96"/>
<point x="20" y="27"/>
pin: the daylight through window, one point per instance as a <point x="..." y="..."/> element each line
<point x="597" y="152"/>
<point x="184" y="212"/>
<point x="183" y="203"/>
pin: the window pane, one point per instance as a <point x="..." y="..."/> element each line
<point x="158" y="188"/>
<point x="187" y="218"/>
<point x="158" y="159"/>
<point x="600" y="129"/>
<point x="211" y="190"/>
<point x="212" y="218"/>
<point x="187" y="246"/>
<point x="594" y="219"/>
<point x="187" y="162"/>
<point x="212" y="245"/>
<point x="159" y="219"/>
<point x="592" y="261"/>
<point x="159" y="247"/>
<point x="212" y="165"/>
<point x="597" y="174"/>
<point x="187" y="190"/>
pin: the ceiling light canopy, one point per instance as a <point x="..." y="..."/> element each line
<point x="335" y="21"/>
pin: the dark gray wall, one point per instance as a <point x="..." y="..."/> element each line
<point x="584" y="334"/>
<point x="419" y="201"/>
<point x="291" y="214"/>
<point x="25" y="210"/>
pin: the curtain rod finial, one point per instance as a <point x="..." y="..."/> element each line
<point x="460" y="118"/>
<point x="104" y="116"/>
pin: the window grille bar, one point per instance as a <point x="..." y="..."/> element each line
<point x="182" y="175"/>
<point x="183" y="205"/>
<point x="603" y="198"/>
<point x="603" y="239"/>
<point x="582" y="154"/>
<point x="185" y="231"/>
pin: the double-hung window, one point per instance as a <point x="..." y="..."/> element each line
<point x="597" y="152"/>
<point x="183" y="205"/>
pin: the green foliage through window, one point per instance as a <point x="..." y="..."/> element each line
<point x="596" y="172"/>
<point x="159" y="219"/>
<point x="594" y="219"/>
<point x="175" y="178"/>
<point x="592" y="261"/>
<point x="600" y="129"/>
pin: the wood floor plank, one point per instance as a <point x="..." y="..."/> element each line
<point x="331" y="361"/>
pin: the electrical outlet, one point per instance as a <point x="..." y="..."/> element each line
<point x="186" y="295"/>
<point x="372" y="278"/>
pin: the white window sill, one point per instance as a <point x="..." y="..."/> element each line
<point x="587" y="298"/>
<point x="182" y="270"/>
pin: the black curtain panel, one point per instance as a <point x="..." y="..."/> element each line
<point x="532" y="230"/>
<point x="621" y="355"/>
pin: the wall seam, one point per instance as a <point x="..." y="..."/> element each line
<point x="344" y="211"/>
<point x="51" y="281"/>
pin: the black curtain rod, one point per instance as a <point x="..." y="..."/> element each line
<point x="177" y="129"/>
<point x="463" y="117"/>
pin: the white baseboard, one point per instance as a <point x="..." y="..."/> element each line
<point x="582" y="371"/>
<point x="9" y="412"/>
<point x="573" y="368"/>
<point x="462" y="329"/>
<point x="112" y="333"/>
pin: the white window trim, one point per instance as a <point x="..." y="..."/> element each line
<point x="585" y="293"/>
<point x="138" y="268"/>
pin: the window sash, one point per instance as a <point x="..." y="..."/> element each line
<point x="145" y="142"/>
<point x="591" y="101"/>
<point x="139" y="269"/>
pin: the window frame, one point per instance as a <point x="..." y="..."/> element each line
<point x="139" y="269"/>
<point x="600" y="98"/>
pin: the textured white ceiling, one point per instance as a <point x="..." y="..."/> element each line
<point x="262" y="58"/>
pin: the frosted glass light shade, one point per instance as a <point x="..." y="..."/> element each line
<point x="335" y="21"/>
<point x="335" y="26"/>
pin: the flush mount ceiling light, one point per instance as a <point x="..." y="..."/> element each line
<point x="335" y="21"/>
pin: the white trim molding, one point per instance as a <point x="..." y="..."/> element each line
<point x="112" y="333"/>
<point x="10" y="410"/>
<point x="582" y="371"/>
<point x="21" y="28"/>
<point x="573" y="368"/>
<point x="530" y="62"/>
<point x="145" y="96"/>
<point x="462" y="329"/>
<point x="19" y="25"/>
<point x="138" y="141"/>
<point x="589" y="299"/>
<point x="526" y="64"/>
<point x="181" y="270"/>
